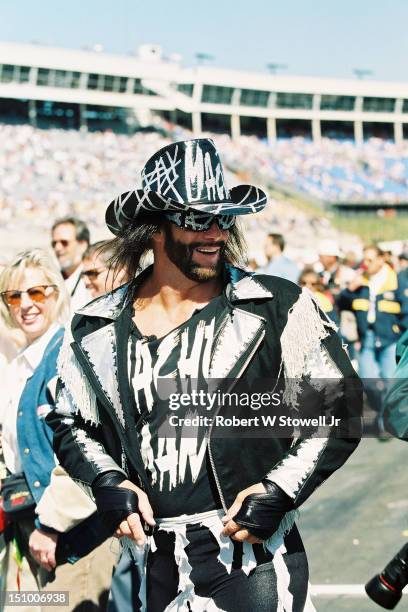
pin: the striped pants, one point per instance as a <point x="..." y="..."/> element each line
<point x="189" y="566"/>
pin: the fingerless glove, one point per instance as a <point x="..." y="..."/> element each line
<point x="114" y="503"/>
<point x="261" y="513"/>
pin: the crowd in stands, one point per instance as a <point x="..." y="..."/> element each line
<point x="60" y="172"/>
<point x="77" y="172"/>
<point x="66" y="172"/>
<point x="330" y="170"/>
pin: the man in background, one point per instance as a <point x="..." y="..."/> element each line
<point x="335" y="275"/>
<point x="97" y="276"/>
<point x="278" y="264"/>
<point x="69" y="239"/>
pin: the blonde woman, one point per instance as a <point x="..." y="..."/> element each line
<point x="41" y="502"/>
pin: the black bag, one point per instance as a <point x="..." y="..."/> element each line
<point x="18" y="502"/>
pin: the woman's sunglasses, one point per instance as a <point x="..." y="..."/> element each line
<point x="36" y="294"/>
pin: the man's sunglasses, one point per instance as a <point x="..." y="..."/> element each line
<point x="200" y="222"/>
<point x="36" y="294"/>
<point x="63" y="243"/>
<point x="92" y="274"/>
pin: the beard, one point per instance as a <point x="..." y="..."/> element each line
<point x="181" y="255"/>
<point x="72" y="262"/>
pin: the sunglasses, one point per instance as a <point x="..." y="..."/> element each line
<point x="92" y="274"/>
<point x="36" y="294"/>
<point x="200" y="222"/>
<point x="63" y="243"/>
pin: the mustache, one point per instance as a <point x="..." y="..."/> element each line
<point x="197" y="245"/>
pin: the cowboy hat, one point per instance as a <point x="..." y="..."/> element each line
<point x="183" y="177"/>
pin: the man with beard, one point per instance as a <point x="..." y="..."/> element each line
<point x="219" y="510"/>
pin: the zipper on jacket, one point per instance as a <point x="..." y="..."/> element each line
<point x="217" y="480"/>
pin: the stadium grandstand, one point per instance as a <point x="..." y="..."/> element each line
<point x="75" y="88"/>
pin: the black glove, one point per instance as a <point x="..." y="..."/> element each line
<point x="114" y="503"/>
<point x="108" y="479"/>
<point x="261" y="513"/>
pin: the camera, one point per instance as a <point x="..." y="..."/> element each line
<point x="386" y="588"/>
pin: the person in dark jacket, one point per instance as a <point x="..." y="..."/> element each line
<point x="380" y="305"/>
<point x="220" y="506"/>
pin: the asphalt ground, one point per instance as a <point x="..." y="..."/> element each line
<point x="355" y="523"/>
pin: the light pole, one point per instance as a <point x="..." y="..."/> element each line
<point x="274" y="67"/>
<point x="361" y="73"/>
<point x="203" y="57"/>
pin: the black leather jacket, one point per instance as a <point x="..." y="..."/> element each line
<point x="269" y="328"/>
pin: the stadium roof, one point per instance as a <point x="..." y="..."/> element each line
<point x="156" y="66"/>
<point x="149" y="83"/>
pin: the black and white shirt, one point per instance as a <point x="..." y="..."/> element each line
<point x="175" y="458"/>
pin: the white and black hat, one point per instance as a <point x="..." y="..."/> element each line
<point x="184" y="177"/>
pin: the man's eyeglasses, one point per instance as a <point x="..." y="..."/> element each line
<point x="63" y="243"/>
<point x="92" y="274"/>
<point x="36" y="294"/>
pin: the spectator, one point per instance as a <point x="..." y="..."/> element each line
<point x="97" y="276"/>
<point x="278" y="264"/>
<point x="403" y="263"/>
<point x="335" y="276"/>
<point x="388" y="257"/>
<point x="70" y="239"/>
<point x="35" y="301"/>
<point x="381" y="309"/>
<point x="310" y="279"/>
<point x="351" y="260"/>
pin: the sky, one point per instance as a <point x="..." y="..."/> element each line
<point x="311" y="37"/>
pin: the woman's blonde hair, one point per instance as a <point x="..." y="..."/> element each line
<point x="12" y="274"/>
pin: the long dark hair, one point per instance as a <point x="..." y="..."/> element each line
<point x="130" y="248"/>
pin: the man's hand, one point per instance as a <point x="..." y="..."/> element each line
<point x="42" y="547"/>
<point x="233" y="529"/>
<point x="132" y="526"/>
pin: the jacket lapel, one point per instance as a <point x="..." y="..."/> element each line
<point x="95" y="347"/>
<point x="100" y="350"/>
<point x="234" y="345"/>
<point x="241" y="331"/>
